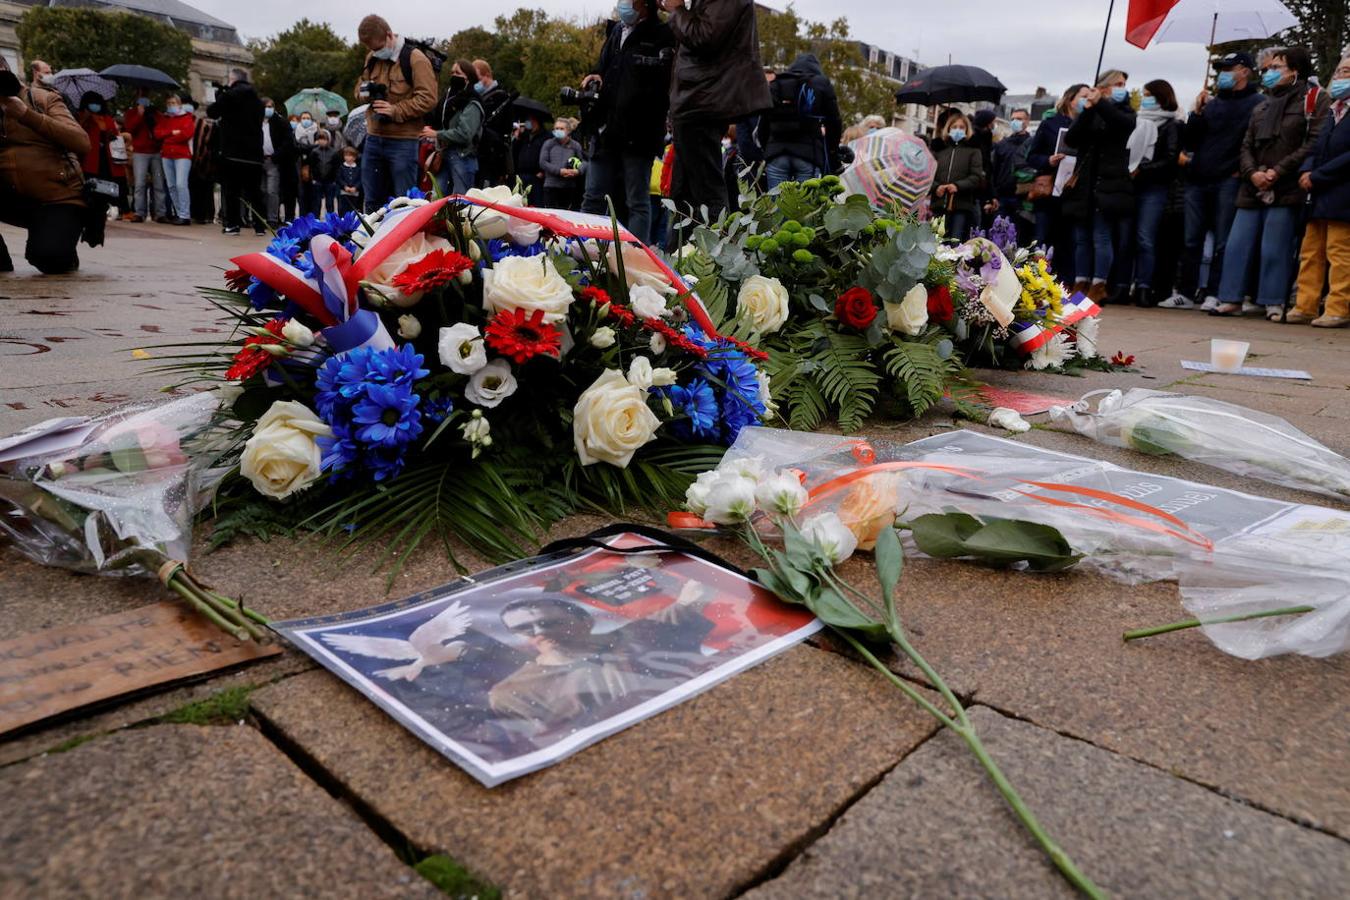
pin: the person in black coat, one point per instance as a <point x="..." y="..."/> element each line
<point x="1012" y="156"/>
<point x="1154" y="148"/>
<point x="529" y="140"/>
<point x="239" y="112"/>
<point x="800" y="132"/>
<point x="1100" y="201"/>
<point x="633" y="75"/>
<point x="1326" y="177"/>
<point x="1045" y="157"/>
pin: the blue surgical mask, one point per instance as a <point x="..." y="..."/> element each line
<point x="479" y="87"/>
<point x="957" y="135"/>
<point x="559" y="133"/>
<point x="1016" y="125"/>
<point x="1148" y="102"/>
<point x="188" y="108"/>
<point x="305" y="123"/>
<point x="1338" y="88"/>
<point x="142" y="101"/>
<point x="1270" y="78"/>
<point x="269" y="112"/>
<point x="627" y="14"/>
<point x="1226" y="81"/>
<point x="1080" y="104"/>
<point x="1120" y="94"/>
<point x="384" y="53"/>
<point x="170" y="110"/>
<point x="95" y="107"/>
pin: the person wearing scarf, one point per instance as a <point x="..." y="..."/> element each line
<point x="1153" y="147"/>
<point x="1282" y="131"/>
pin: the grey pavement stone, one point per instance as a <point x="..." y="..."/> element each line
<point x="936" y="827"/>
<point x="182" y="811"/>
<point x="694" y="802"/>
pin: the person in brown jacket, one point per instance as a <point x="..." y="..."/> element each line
<point x="1283" y="129"/>
<point x="400" y="84"/>
<point x="41" y="185"/>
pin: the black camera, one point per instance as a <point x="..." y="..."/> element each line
<point x="570" y="96"/>
<point x="843" y="158"/>
<point x="9" y="84"/>
<point x="373" y="90"/>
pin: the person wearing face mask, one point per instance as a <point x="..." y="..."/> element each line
<point x="1283" y="130"/>
<point x="174" y="130"/>
<point x="957" y="180"/>
<point x="801" y="130"/>
<point x="1325" y="256"/>
<point x="404" y="74"/>
<point x="239" y="112"/>
<point x="562" y="163"/>
<point x="1154" y="146"/>
<point x="306" y="130"/>
<point x="40" y="75"/>
<point x="496" y="162"/>
<point x="202" y="178"/>
<point x="280" y="179"/>
<point x="147" y="172"/>
<point x="1045" y="155"/>
<point x="529" y="143"/>
<point x="461" y="128"/>
<point x="332" y="123"/>
<point x="1100" y="200"/>
<point x="1010" y="157"/>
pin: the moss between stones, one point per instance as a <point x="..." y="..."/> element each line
<point x="454" y="880"/>
<point x="224" y="708"/>
<point x="72" y="743"/>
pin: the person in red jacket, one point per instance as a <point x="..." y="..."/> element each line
<point x="174" y="130"/>
<point x="146" y="170"/>
<point x="102" y="130"/>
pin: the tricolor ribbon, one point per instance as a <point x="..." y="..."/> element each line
<point x="1028" y="336"/>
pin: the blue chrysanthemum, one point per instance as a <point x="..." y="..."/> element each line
<point x="436" y="411"/>
<point x="367" y="398"/>
<point x="260" y="296"/>
<point x="696" y="402"/>
<point x="340" y="225"/>
<point x="284" y="248"/>
<point x="402" y="366"/>
<point x="387" y="415"/>
<point x="735" y="380"/>
<point x="416" y="194"/>
<point x="500" y="248"/>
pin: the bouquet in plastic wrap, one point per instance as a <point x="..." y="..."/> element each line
<point x="1224" y="435"/>
<point x="117" y="495"/>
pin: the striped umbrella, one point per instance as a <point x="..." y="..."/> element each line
<point x="890" y="165"/>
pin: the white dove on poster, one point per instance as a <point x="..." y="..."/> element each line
<point x="426" y="646"/>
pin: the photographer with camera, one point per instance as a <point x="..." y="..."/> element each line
<point x="400" y="83"/>
<point x="461" y="126"/>
<point x="629" y="114"/>
<point x="41" y="185"/>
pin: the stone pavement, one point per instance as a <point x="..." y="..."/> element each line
<point x="1166" y="768"/>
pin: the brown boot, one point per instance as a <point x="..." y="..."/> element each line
<point x="1079" y="287"/>
<point x="1097" y="292"/>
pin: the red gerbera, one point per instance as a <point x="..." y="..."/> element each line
<point x="521" y="338"/>
<point x="940" y="304"/>
<point x="431" y="271"/>
<point x="252" y="359"/>
<point x="236" y="279"/>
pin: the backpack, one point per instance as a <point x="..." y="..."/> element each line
<point x="792" y="97"/>
<point x="434" y="56"/>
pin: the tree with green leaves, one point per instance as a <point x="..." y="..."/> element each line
<point x="308" y="54"/>
<point x="1323" y="29"/>
<point x="70" y="38"/>
<point x="552" y="52"/>
<point x="780" y="36"/>
<point x="861" y="88"/>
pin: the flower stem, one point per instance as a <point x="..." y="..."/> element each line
<point x="1196" y="623"/>
<point x="205" y="609"/>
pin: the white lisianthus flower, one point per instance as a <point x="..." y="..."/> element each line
<point x="1053" y="353"/>
<point x="490" y="385"/>
<point x="282" y="455"/>
<point x="751" y="467"/>
<point x="527" y="283"/>
<point x="638" y="268"/>
<point x="411" y="251"/>
<point x="611" y="421"/>
<point x="657" y="343"/>
<point x="731" y="500"/>
<point x="648" y="303"/>
<point x="489" y="223"/>
<point x="782" y="493"/>
<point x="831" y="536"/>
<point x="763" y="302"/>
<point x="461" y="348"/>
<point x="297" y="333"/>
<point x="910" y="315"/>
<point x="696" y="497"/>
<point x="1086" y="337"/>
<point x="409" y="327"/>
<point x="663" y="377"/>
<point x="640" y="373"/>
<point x="603" y="338"/>
<point x="765" y="392"/>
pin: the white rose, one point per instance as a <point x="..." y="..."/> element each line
<point x="657" y="343"/>
<point x="640" y="373"/>
<point x="412" y="250"/>
<point x="638" y="268"/>
<point x="647" y="302"/>
<point x="409" y="327"/>
<point x="603" y="338"/>
<point x="696" y="496"/>
<point x="829" y="533"/>
<point x="491" y="384"/>
<point x="1008" y="420"/>
<point x="489" y="223"/>
<point x="461" y="348"/>
<point x="731" y="499"/>
<point x="282" y="456"/>
<point x="663" y="377"/>
<point x="783" y="493"/>
<point x="527" y="283"/>
<point x="611" y="421"/>
<point x="910" y="315"/>
<point x="764" y="302"/>
<point x="297" y="333"/>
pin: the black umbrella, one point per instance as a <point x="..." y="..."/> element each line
<point x="526" y="106"/>
<point x="950" y="84"/>
<point x="139" y="76"/>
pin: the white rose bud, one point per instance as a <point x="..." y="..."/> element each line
<point x="731" y="500"/>
<point x="640" y="373"/>
<point x="763" y="302"/>
<point x="297" y="333"/>
<point x="490" y="385"/>
<point x="408" y="327"/>
<point x="663" y="377"/>
<point x="460" y="348"/>
<point x="603" y="338"/>
<point x="831" y="536"/>
<point x="611" y="421"/>
<point x="783" y="493"/>
<point x="910" y="315"/>
<point x="282" y="455"/>
<point x="275" y="349"/>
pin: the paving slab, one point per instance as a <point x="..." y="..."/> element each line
<point x="697" y="801"/>
<point x="182" y="811"/>
<point x="935" y="827"/>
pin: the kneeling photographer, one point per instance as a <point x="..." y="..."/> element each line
<point x="628" y="117"/>
<point x="41" y="183"/>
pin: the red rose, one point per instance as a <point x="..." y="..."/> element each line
<point x="940" y="304"/>
<point x="856" y="308"/>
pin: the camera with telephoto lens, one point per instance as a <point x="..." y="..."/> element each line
<point x="583" y="99"/>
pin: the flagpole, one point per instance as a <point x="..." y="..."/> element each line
<point x="1105" y="31"/>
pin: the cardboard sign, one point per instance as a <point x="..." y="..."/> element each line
<point x="60" y="669"/>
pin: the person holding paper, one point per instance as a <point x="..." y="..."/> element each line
<point x="1046" y="155"/>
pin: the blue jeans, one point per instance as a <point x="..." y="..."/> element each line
<point x="1209" y="207"/>
<point x="176" y="178"/>
<point x="958" y="223"/>
<point x="789" y="168"/>
<point x="1150" y="201"/>
<point x="1082" y="251"/>
<point x="147" y="172"/>
<point x="1110" y="244"/>
<point x="458" y="174"/>
<point x="1271" y="232"/>
<point x="388" y="168"/>
<point x="621" y="175"/>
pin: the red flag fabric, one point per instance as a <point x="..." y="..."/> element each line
<point x="1144" y="19"/>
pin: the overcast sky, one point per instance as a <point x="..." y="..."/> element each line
<point x="1047" y="42"/>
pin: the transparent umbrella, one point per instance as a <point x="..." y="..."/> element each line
<point x="316" y="102"/>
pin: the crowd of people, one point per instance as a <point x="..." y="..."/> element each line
<point x="1141" y="202"/>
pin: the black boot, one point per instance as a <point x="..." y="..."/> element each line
<point x="1119" y="295"/>
<point x="1143" y="298"/>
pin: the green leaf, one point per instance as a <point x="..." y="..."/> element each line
<point x="849" y="217"/>
<point x="1003" y="541"/>
<point x="890" y="560"/>
<point x="943" y="535"/>
<point x="835" y="610"/>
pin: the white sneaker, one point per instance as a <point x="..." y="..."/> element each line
<point x="1177" y="301"/>
<point x="1211" y="303"/>
<point x="1252" y="309"/>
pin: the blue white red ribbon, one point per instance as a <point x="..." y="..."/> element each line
<point x="1029" y="336"/>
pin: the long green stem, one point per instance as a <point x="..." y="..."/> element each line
<point x="1196" y="623"/>
<point x="206" y="610"/>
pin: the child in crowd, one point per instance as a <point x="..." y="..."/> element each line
<point x="349" y="181"/>
<point x="323" y="162"/>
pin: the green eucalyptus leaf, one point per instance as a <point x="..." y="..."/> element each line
<point x="819" y="303"/>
